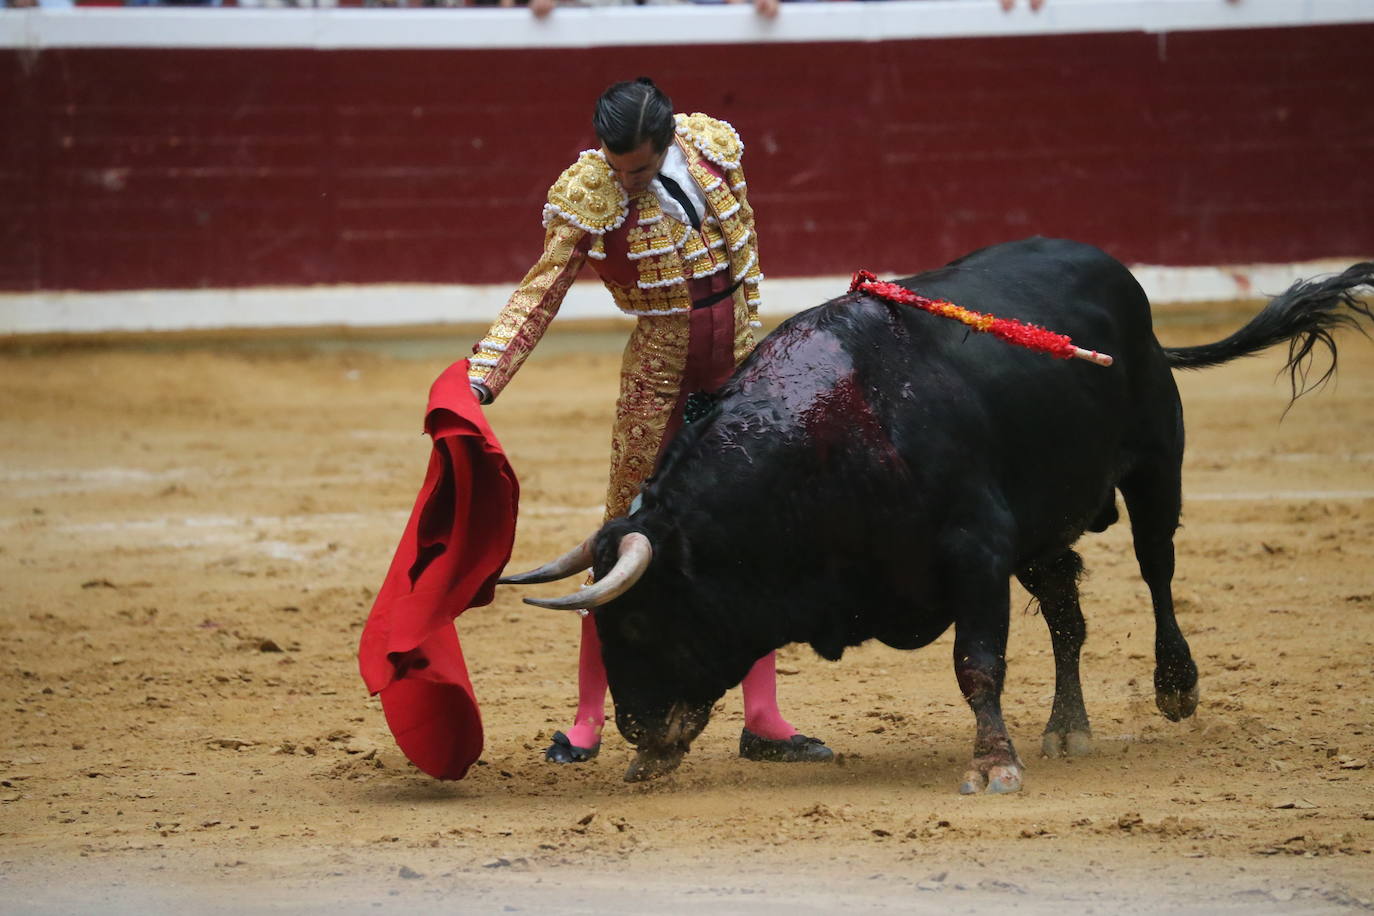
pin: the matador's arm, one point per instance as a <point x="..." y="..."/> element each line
<point x="753" y="273"/>
<point x="527" y="313"/>
<point x="719" y="142"/>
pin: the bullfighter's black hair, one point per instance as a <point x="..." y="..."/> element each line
<point x="631" y="112"/>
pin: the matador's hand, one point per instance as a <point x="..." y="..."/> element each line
<point x="768" y="9"/>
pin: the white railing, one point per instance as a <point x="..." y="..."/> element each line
<point x="180" y="27"/>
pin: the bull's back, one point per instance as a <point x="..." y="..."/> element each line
<point x="999" y="429"/>
<point x="1067" y="286"/>
<point x="873" y="403"/>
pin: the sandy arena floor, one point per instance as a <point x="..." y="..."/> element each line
<point x="191" y="533"/>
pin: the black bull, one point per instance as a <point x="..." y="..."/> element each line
<point x="873" y="471"/>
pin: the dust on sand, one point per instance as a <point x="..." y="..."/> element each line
<point x="191" y="532"/>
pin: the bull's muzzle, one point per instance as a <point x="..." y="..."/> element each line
<point x="659" y="750"/>
<point x="653" y="764"/>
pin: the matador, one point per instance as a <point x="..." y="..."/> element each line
<point x="661" y="210"/>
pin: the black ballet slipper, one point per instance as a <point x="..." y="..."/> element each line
<point x="564" y="751"/>
<point x="796" y="749"/>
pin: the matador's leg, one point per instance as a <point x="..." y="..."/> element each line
<point x="651" y="376"/>
<point x="655" y="378"/>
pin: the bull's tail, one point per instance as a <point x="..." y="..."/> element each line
<point x="1305" y="316"/>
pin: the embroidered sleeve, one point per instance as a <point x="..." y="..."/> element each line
<point x="527" y="313"/>
<point x="753" y="275"/>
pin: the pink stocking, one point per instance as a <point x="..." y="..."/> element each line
<point x="760" y="687"/>
<point x="591" y="689"/>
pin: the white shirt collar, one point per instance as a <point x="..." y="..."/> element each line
<point x="675" y="165"/>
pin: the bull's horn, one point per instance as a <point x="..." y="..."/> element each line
<point x="635" y="553"/>
<point x="574" y="561"/>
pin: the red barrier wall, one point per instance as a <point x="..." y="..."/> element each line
<point x="154" y="168"/>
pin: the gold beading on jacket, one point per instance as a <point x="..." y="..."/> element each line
<point x="586" y="205"/>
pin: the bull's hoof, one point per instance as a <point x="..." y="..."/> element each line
<point x="564" y="751"/>
<point x="1072" y="743"/>
<point x="1177" y="704"/>
<point x="998" y="780"/>
<point x="1004" y="779"/>
<point x="796" y="749"/>
<point x="647" y="766"/>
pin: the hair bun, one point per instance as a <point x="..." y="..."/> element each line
<point x="645" y="81"/>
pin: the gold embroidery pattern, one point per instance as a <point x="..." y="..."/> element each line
<point x="661" y="300"/>
<point x="717" y="141"/>
<point x="714" y="138"/>
<point x="651" y="236"/>
<point x="668" y="253"/>
<point x="588" y="200"/>
<point x="529" y="310"/>
<point x="753" y="274"/>
<point x="588" y="195"/>
<point x="651" y="371"/>
<point x="654" y="246"/>
<point x="744" y="332"/>
<point x="650" y="377"/>
<point x="692" y="248"/>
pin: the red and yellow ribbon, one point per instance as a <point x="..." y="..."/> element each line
<point x="1030" y="336"/>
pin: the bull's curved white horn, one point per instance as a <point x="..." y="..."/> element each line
<point x="634" y="555"/>
<point x="574" y="561"/>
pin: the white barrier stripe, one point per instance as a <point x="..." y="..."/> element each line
<point x="390" y="305"/>
<point x="610" y="26"/>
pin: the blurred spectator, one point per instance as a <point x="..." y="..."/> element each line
<point x="1034" y="5"/>
<point x="541" y="8"/>
<point x="765" y="8"/>
<point x="289" y="4"/>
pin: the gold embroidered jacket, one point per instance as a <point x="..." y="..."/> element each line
<point x="644" y="258"/>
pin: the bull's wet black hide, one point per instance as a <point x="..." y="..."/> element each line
<point x="873" y="471"/>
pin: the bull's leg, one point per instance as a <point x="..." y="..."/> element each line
<point x="1054" y="583"/>
<point x="980" y="665"/>
<point x="1153" y="496"/>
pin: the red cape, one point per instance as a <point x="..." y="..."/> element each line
<point x="455" y="545"/>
